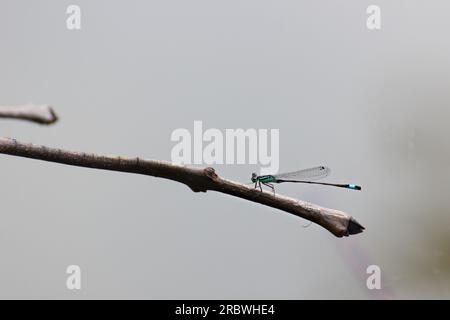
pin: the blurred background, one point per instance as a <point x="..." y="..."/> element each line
<point x="371" y="105"/>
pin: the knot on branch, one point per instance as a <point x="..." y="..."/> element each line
<point x="203" y="180"/>
<point x="210" y="173"/>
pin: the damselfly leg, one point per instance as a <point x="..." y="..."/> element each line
<point x="270" y="185"/>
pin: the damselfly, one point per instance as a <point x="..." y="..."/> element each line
<point x="301" y="176"/>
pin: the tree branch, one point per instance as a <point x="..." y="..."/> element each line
<point x="42" y="114"/>
<point x="198" y="179"/>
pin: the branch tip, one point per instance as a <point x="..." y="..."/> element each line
<point x="53" y="117"/>
<point x="354" y="227"/>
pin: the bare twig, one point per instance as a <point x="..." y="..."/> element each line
<point x="198" y="179"/>
<point x="42" y="114"/>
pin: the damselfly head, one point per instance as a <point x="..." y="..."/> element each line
<point x="254" y="176"/>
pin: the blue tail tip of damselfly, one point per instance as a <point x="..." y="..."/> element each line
<point x="354" y="187"/>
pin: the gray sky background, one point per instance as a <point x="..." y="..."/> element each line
<point x="371" y="105"/>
